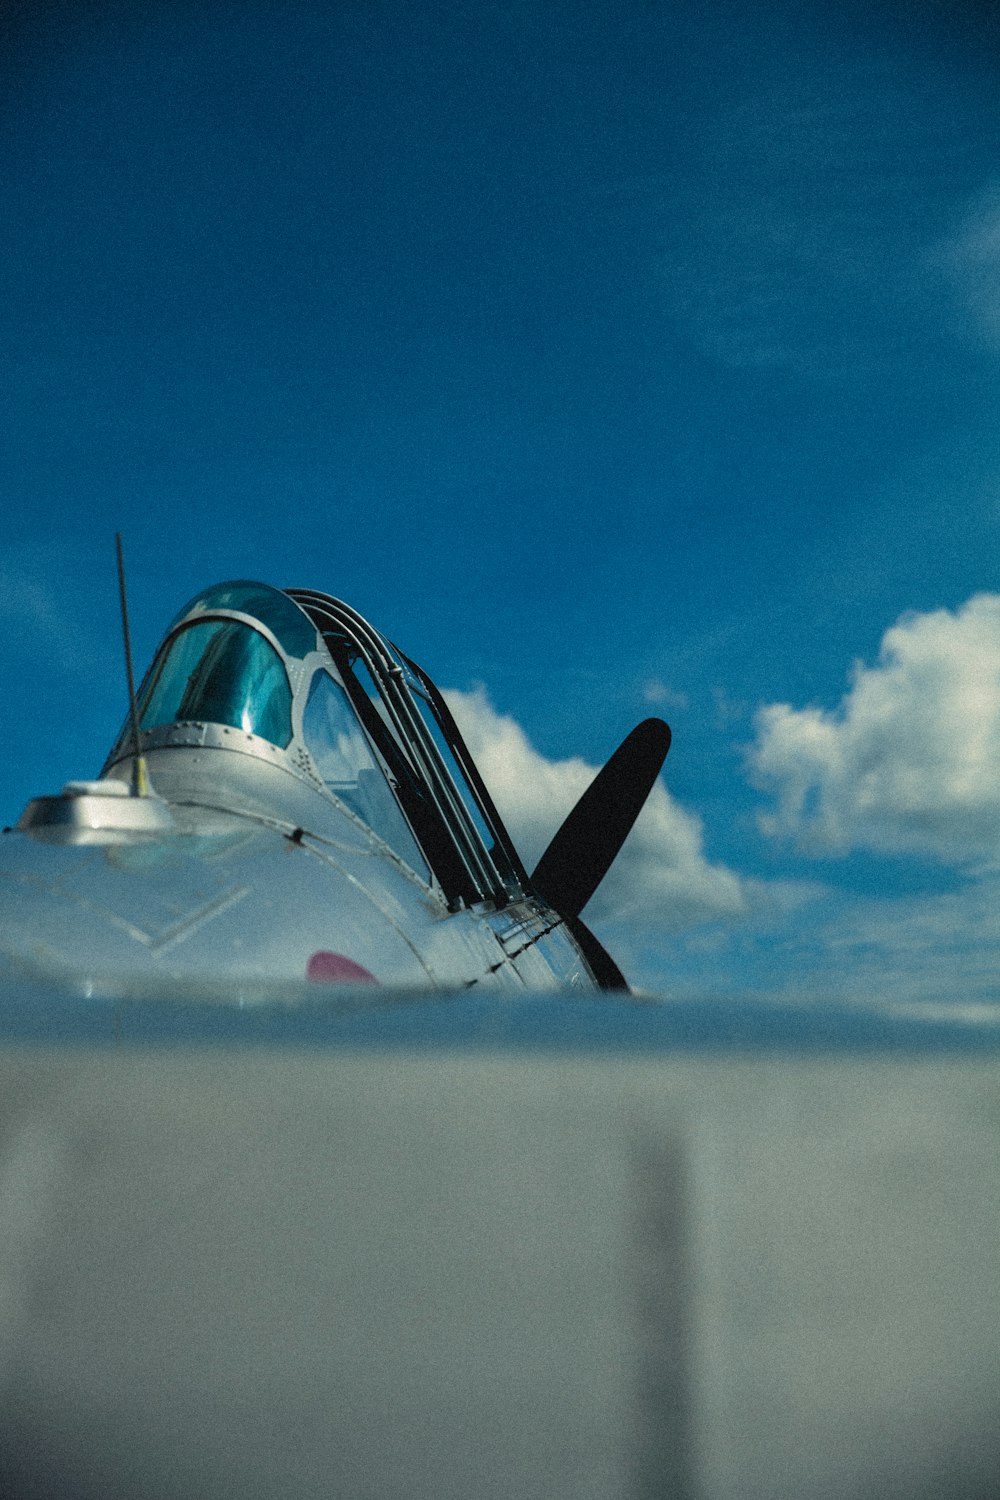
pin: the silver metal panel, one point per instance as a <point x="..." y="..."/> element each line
<point x="81" y="819"/>
<point x="225" y="908"/>
<point x="258" y="872"/>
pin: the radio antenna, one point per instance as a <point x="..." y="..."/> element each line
<point x="140" y="780"/>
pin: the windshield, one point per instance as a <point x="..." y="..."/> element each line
<point x="220" y="672"/>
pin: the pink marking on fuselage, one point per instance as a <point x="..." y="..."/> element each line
<point x="334" y="968"/>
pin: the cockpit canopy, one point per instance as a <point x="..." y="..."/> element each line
<point x="220" y="672"/>
<point x="303" y="674"/>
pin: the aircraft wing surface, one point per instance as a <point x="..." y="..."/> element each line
<point x="348" y="1243"/>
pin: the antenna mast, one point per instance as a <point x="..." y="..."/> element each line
<point x="140" y="780"/>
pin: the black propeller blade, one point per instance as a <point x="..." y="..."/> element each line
<point x="580" y="855"/>
<point x="602" y="965"/>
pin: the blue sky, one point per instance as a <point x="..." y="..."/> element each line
<point x="614" y="358"/>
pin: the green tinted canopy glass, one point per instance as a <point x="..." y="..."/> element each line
<point x="220" y="672"/>
<point x="290" y="626"/>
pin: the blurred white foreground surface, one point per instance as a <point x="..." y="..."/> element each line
<point x="476" y="1270"/>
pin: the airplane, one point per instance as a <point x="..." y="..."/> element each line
<point x="477" y="1238"/>
<point x="289" y="799"/>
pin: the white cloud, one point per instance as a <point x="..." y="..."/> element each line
<point x="61" y="623"/>
<point x="47" y="593"/>
<point x="793" y="243"/>
<point x="919" y="951"/>
<point x="656" y="692"/>
<point x="661" y="880"/>
<point x="910" y="760"/>
<point x="31" y="605"/>
<point x="971" y="263"/>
